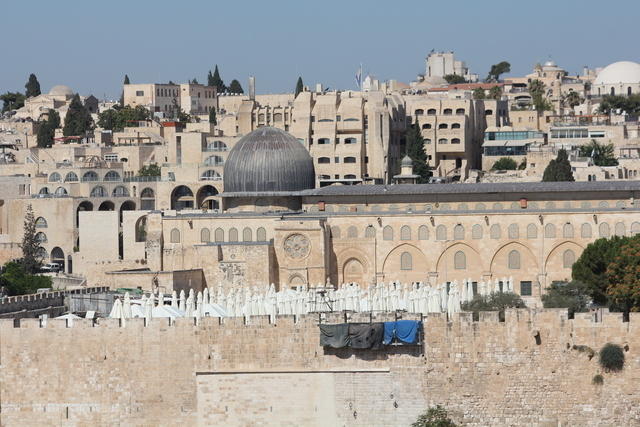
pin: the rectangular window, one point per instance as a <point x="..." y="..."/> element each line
<point x="139" y="93"/>
<point x="525" y="288"/>
<point x="110" y="157"/>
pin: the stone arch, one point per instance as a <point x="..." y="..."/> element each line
<point x="635" y="228"/>
<point x="446" y="263"/>
<point x="353" y="271"/>
<point x="460" y="261"/>
<point x="495" y="231"/>
<point x="296" y="280"/>
<point x="57" y="256"/>
<point x="513" y="231"/>
<point x="107" y="205"/>
<point x="529" y="266"/>
<point x="129" y="205"/>
<point x="147" y="199"/>
<point x="141" y="229"/>
<point x="207" y="197"/>
<point x="604" y="230"/>
<point x="82" y="206"/>
<point x="620" y="229"/>
<point x="555" y="260"/>
<point x="182" y="198"/>
<point x="392" y="264"/>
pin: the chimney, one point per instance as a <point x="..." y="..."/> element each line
<point x="252" y="88"/>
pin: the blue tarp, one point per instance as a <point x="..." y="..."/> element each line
<point x="405" y="331"/>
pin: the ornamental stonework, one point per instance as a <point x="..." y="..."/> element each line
<point x="297" y="246"/>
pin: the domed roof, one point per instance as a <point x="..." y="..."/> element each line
<point x="619" y="72"/>
<point x="268" y="159"/>
<point x="406" y="161"/>
<point x="61" y="90"/>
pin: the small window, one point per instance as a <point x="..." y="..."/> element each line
<point x="261" y="234"/>
<point x="405" y="233"/>
<point x="495" y="231"/>
<point x="335" y="232"/>
<point x="514" y="232"/>
<point x="387" y="233"/>
<point x="324" y="141"/>
<point x="443" y="126"/>
<point x="447" y="111"/>
<point x="324" y="160"/>
<point x="458" y="232"/>
<point x="426" y="126"/>
<point x="455" y="125"/>
<point x="423" y="233"/>
<point x="175" y="236"/>
<point x="455" y="141"/>
<point x="460" y="261"/>
<point x="441" y="232"/>
<point x="550" y="231"/>
<point x="525" y="288"/>
<point x="585" y="231"/>
<point x="567" y="231"/>
<point x="514" y="260"/>
<point x="218" y="235"/>
<point x="406" y="261"/>
<point x="604" y="230"/>
<point x="620" y="229"/>
<point x="352" y="232"/>
<point x="139" y="93"/>
<point x="476" y="232"/>
<point x="532" y="231"/>
<point x="460" y="111"/>
<point x="233" y="235"/>
<point x="349" y="159"/>
<point x="419" y="112"/>
<point x="568" y="258"/>
<point x="247" y="235"/>
<point x="431" y="112"/>
<point x="205" y="235"/>
<point x="350" y="141"/>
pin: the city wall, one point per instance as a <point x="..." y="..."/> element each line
<point x="523" y="371"/>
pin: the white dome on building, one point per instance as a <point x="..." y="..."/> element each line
<point x="61" y="90"/>
<point x="619" y="72"/>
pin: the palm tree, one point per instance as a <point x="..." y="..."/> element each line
<point x="603" y="155"/>
<point x="571" y="99"/>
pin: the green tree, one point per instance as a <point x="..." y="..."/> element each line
<point x="47" y="129"/>
<point x="53" y="119"/>
<point x="495" y="301"/>
<point x="210" y="79"/>
<point x="12" y="101"/>
<point x="497" y="70"/>
<point x="78" y="119"/>
<point x="623" y="276"/>
<point x="574" y="296"/>
<point x="299" y="87"/>
<point x="453" y="79"/>
<point x="30" y="246"/>
<point x="150" y="170"/>
<point x="216" y="81"/>
<point x="117" y="118"/>
<point x="415" y="150"/>
<point x="194" y="81"/>
<point x="32" y="86"/>
<point x="558" y="169"/>
<point x="495" y="93"/>
<point x="434" y="417"/>
<point x="630" y="104"/>
<point x="572" y="99"/>
<point x="505" y="164"/>
<point x="212" y="117"/>
<point x="18" y="281"/>
<point x="126" y="82"/>
<point x="603" y="155"/>
<point x="537" y="92"/>
<point x="479" y="93"/>
<point x="591" y="267"/>
<point x="235" y="87"/>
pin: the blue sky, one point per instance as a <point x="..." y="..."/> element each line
<point x="90" y="45"/>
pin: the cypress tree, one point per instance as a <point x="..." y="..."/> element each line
<point x="210" y="79"/>
<point x="212" y="117"/>
<point x="78" y="120"/>
<point x="415" y="150"/>
<point x="217" y="81"/>
<point x="126" y="82"/>
<point x="126" y="79"/>
<point x="32" y="86"/>
<point x="299" y="86"/>
<point x="30" y="245"/>
<point x="558" y="169"/>
<point x="235" y="87"/>
<point x="47" y="129"/>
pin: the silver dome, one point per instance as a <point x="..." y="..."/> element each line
<point x="268" y="159"/>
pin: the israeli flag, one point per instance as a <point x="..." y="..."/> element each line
<point x="359" y="77"/>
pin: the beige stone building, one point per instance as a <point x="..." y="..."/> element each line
<point x="166" y="98"/>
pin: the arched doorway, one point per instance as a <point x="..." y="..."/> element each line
<point x="182" y="198"/>
<point x="107" y="206"/>
<point x="84" y="206"/>
<point x="127" y="206"/>
<point x="57" y="256"/>
<point x="353" y="272"/>
<point x="147" y="199"/>
<point x="207" y="197"/>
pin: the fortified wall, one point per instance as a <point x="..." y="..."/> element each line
<point x="523" y="371"/>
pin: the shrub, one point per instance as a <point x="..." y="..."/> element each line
<point x="597" y="380"/>
<point x="434" y="417"/>
<point x="496" y="301"/>
<point x="572" y="295"/>
<point x="612" y="357"/>
<point x="505" y="164"/>
<point x="585" y="349"/>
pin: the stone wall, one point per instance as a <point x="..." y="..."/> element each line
<point x="523" y="371"/>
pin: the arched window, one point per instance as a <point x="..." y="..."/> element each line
<point x="460" y="261"/>
<point x="323" y="160"/>
<point x="44" y="190"/>
<point x="514" y="260"/>
<point x="112" y="176"/>
<point x="71" y="177"/>
<point x="99" y="191"/>
<point x="443" y="126"/>
<point x="455" y="141"/>
<point x="175" y="236"/>
<point x="458" y="232"/>
<point x="370" y="231"/>
<point x="349" y="176"/>
<point x="41" y="222"/>
<point x="349" y="159"/>
<point x="419" y="112"/>
<point x="218" y="235"/>
<point x="567" y="231"/>
<point x="532" y="231"/>
<point x="495" y="231"/>
<point x="568" y="258"/>
<point x="247" y="235"/>
<point x="426" y="126"/>
<point x="447" y="111"/>
<point x="61" y="191"/>
<point x="585" y="231"/>
<point x="620" y="229"/>
<point x="205" y="235"/>
<point x="352" y="232"/>
<point x="513" y="231"/>
<point x="460" y="111"/>
<point x="550" y="231"/>
<point x="387" y="233"/>
<point x="324" y="141"/>
<point x="423" y="232"/>
<point x="603" y="204"/>
<point x="455" y="125"/>
<point x="441" y="232"/>
<point x="216" y="146"/>
<point x="476" y="232"/>
<point x="141" y="229"/>
<point x="635" y="228"/>
<point x="497" y="206"/>
<point x="604" y="230"/>
<point x="210" y="175"/>
<point x="261" y="234"/>
<point x="120" y="191"/>
<point x="406" y="261"/>
<point x="350" y="141"/>
<point x="405" y="232"/>
<point x="41" y="237"/>
<point x="214" y="160"/>
<point x="233" y="235"/>
<point x="147" y="193"/>
<point x="277" y="117"/>
<point x="442" y="141"/>
<point x="488" y="112"/>
<point x="55" y="177"/>
<point x="335" y="232"/>
<point x="431" y="112"/>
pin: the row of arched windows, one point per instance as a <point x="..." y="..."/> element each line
<point x="100" y="191"/>
<point x="495" y="231"/>
<point x="433" y="111"/>
<point x="219" y="235"/>
<point x="88" y="176"/>
<point x="441" y="126"/>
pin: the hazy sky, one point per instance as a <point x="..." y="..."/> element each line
<point x="90" y="45"/>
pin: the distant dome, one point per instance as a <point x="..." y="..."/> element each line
<point x="61" y="90"/>
<point x="549" y="63"/>
<point x="406" y="161"/>
<point x="619" y="72"/>
<point x="268" y="159"/>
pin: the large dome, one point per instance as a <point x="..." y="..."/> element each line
<point x="619" y="72"/>
<point x="61" y="90"/>
<point x="268" y="159"/>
